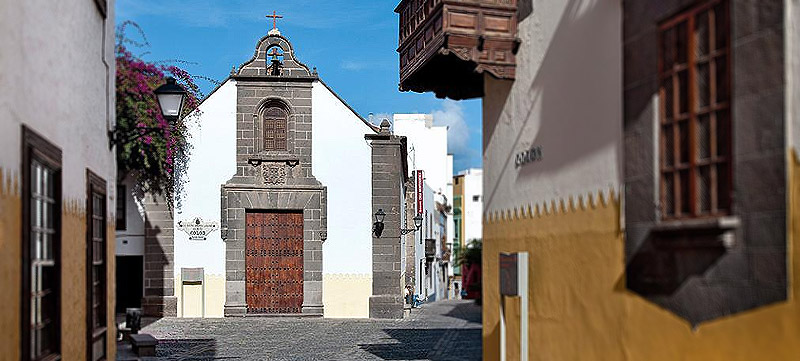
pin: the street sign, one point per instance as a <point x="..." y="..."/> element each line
<point x="509" y="274"/>
<point x="420" y="192"/>
<point x="197" y="229"/>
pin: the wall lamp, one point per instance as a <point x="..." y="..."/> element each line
<point x="380" y="215"/>
<point x="170" y="99"/>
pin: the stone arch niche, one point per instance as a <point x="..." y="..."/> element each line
<point x="273" y="179"/>
<point x="274" y="126"/>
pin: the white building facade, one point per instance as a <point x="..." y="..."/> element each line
<point x="427" y="152"/>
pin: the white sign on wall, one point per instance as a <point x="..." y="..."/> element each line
<point x="197" y="229"/>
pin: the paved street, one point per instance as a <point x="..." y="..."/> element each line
<point x="445" y="330"/>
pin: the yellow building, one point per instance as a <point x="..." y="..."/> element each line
<point x="640" y="171"/>
<point x="57" y="176"/>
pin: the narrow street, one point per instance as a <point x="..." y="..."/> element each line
<point x="444" y="330"/>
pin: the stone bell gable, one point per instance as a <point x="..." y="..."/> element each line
<point x="273" y="176"/>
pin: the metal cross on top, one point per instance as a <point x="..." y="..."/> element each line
<point x="275" y="18"/>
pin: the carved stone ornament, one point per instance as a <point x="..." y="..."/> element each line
<point x="274" y="173"/>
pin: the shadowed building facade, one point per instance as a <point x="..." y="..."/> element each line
<point x="57" y="176"/>
<point x="643" y="160"/>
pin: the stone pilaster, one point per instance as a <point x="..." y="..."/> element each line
<point x="159" y="256"/>
<point x="388" y="178"/>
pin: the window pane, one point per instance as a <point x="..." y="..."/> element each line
<point x="99" y="348"/>
<point x="723" y="91"/>
<point x="669" y="98"/>
<point x="683" y="92"/>
<point x="48" y="212"/>
<point x="723" y="133"/>
<point x="723" y="188"/>
<point x="36" y="213"/>
<point x="47" y="246"/>
<point x="669" y="194"/>
<point x="703" y="76"/>
<point x="684" y="192"/>
<point x="682" y="43"/>
<point x="36" y="178"/>
<point x="669" y="146"/>
<point x="704" y="189"/>
<point x="704" y="137"/>
<point x="683" y="142"/>
<point x="721" y="25"/>
<point x="701" y="35"/>
<point x="668" y="51"/>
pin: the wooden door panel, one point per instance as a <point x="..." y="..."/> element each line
<point x="274" y="262"/>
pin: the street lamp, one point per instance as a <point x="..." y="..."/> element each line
<point x="377" y="227"/>
<point x="170" y="100"/>
<point x="417" y="225"/>
<point x="380" y="215"/>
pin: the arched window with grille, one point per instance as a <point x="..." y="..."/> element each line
<point x="275" y="118"/>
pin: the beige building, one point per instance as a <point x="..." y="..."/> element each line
<point x="57" y="176"/>
<point x="640" y="171"/>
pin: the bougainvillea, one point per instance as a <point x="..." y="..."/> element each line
<point x="158" y="159"/>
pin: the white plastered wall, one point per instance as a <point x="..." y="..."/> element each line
<point x="427" y="148"/>
<point x="342" y="161"/>
<point x="792" y="58"/>
<point x="566" y="99"/>
<point x="57" y="78"/>
<point x="212" y="163"/>
<point x="472" y="207"/>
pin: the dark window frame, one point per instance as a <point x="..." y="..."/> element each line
<point x="692" y="184"/>
<point x="96" y="329"/>
<point x="37" y="148"/>
<point x="121" y="212"/>
<point x="102" y="7"/>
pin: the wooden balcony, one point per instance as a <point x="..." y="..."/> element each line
<point x="447" y="45"/>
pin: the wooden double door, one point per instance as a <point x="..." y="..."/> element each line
<point x="274" y="262"/>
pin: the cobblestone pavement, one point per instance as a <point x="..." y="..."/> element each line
<point x="444" y="330"/>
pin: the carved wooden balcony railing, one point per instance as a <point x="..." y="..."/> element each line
<point x="447" y="45"/>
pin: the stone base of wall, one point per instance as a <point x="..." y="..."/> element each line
<point x="235" y="310"/>
<point x="160" y="306"/>
<point x="386" y="306"/>
<point x="313" y="310"/>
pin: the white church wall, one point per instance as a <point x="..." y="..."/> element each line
<point x="427" y="147"/>
<point x="342" y="161"/>
<point x="212" y="163"/>
<point x="473" y="204"/>
<point x="130" y="241"/>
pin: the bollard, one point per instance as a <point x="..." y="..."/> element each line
<point x="133" y="319"/>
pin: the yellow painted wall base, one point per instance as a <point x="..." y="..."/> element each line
<point x="346" y="295"/>
<point x="214" y="298"/>
<point x="581" y="310"/>
<point x="10" y="258"/>
<point x="73" y="276"/>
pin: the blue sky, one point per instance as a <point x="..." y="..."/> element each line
<point x="351" y="42"/>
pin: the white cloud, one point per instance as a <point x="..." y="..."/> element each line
<point x="452" y="115"/>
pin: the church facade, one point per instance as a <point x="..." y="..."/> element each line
<point x="276" y="216"/>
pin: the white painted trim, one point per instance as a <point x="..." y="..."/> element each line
<point x="522" y="264"/>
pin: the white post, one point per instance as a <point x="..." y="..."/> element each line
<point x="502" y="330"/>
<point x="523" y="291"/>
